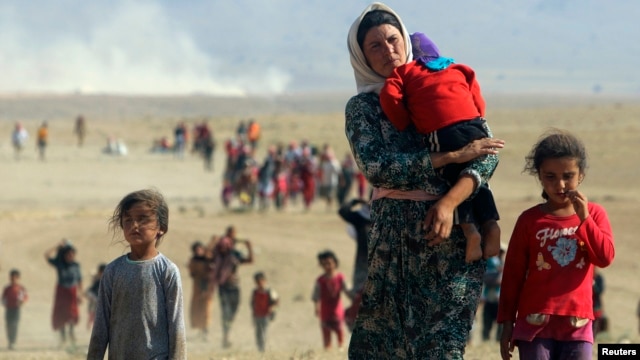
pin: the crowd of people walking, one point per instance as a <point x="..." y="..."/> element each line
<point x="297" y="172"/>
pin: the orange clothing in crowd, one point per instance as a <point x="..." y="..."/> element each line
<point x="43" y="132"/>
<point x="253" y="133"/>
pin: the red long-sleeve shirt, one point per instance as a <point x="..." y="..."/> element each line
<point x="431" y="99"/>
<point x="14" y="296"/>
<point x="549" y="263"/>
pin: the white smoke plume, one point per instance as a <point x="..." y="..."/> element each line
<point x="131" y="48"/>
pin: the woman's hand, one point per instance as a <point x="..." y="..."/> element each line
<point x="439" y="221"/>
<point x="439" y="218"/>
<point x="506" y="343"/>
<point x="476" y="148"/>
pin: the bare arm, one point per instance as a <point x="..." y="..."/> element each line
<point x="439" y="219"/>
<point x="395" y="160"/>
<point x="249" y="259"/>
<point x="474" y="149"/>
<point x="51" y="253"/>
<point x="506" y="344"/>
<point x="315" y="297"/>
<point x="347" y="289"/>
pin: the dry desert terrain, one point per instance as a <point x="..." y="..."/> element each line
<point x="72" y="194"/>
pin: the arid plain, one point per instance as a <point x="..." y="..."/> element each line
<point x="72" y="194"/>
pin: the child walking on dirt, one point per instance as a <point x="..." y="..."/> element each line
<point x="326" y="298"/>
<point x="140" y="306"/>
<point x="200" y="272"/>
<point x="13" y="297"/>
<point x="68" y="294"/>
<point x="546" y="291"/>
<point x="224" y="276"/>
<point x="263" y="303"/>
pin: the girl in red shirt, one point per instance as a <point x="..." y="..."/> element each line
<point x="327" y="298"/>
<point x="546" y="295"/>
<point x="13" y="296"/>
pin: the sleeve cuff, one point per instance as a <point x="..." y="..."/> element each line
<point x="476" y="176"/>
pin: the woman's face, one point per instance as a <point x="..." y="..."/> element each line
<point x="383" y="47"/>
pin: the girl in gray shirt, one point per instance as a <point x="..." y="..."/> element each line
<point x="140" y="307"/>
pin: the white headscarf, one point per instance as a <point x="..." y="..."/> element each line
<point x="368" y="80"/>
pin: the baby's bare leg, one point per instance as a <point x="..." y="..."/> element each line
<point x="491" y="236"/>
<point x="474" y="250"/>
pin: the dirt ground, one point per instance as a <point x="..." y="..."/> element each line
<point x="73" y="192"/>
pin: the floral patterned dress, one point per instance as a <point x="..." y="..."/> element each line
<point x="419" y="302"/>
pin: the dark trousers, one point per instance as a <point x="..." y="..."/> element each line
<point x="11" y="319"/>
<point x="229" y="301"/>
<point x="489" y="316"/>
<point x="261" y="331"/>
<point x="482" y="207"/>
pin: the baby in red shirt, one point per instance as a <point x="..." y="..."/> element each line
<point x="443" y="101"/>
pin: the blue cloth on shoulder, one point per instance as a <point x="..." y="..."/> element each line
<point x="440" y="63"/>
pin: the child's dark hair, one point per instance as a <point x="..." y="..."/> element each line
<point x="556" y="144"/>
<point x="328" y="254"/>
<point x="63" y="251"/>
<point x="259" y="276"/>
<point x="150" y="197"/>
<point x="196" y="244"/>
<point x="101" y="267"/>
<point x="14" y="272"/>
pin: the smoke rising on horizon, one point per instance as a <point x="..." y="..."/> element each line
<point x="273" y="47"/>
<point x="132" y="48"/>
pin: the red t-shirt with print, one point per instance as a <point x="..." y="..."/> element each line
<point x="549" y="263"/>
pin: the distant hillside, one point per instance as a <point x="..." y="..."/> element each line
<point x="36" y="108"/>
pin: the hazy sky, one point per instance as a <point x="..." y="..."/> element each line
<point x="287" y="46"/>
